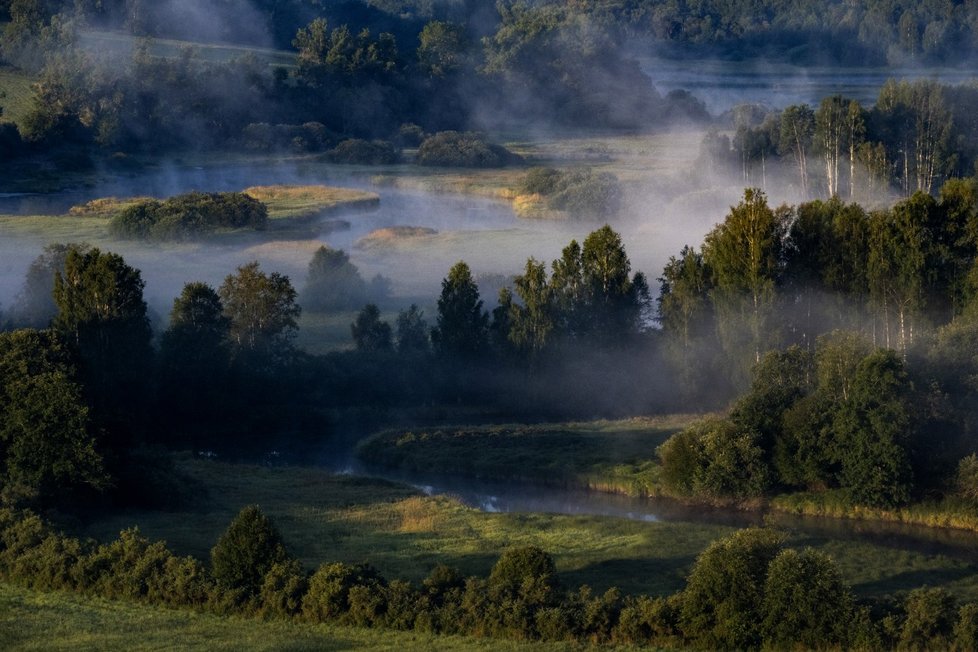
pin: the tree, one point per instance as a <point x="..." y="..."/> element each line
<point x="532" y="322"/>
<point x="797" y="130"/>
<point x="441" y="48"/>
<point x="744" y="255"/>
<point x="615" y="303"/>
<point x="683" y="299"/>
<point x="724" y="595"/>
<point x="873" y="432"/>
<point x="333" y="282"/>
<point x="370" y="334"/>
<point x="102" y="314"/>
<point x="35" y="306"/>
<point x="247" y="550"/>
<point x="412" y="331"/>
<point x="262" y="311"/>
<point x="806" y="604"/>
<point x="48" y="445"/>
<point x="462" y="326"/>
<point x="194" y="350"/>
<point x="830" y="135"/>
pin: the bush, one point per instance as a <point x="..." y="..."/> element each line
<point x="466" y="150"/>
<point x="355" y="151"/>
<point x="282" y="590"/>
<point x="644" y="619"/>
<point x="805" y="602"/>
<point x="929" y="622"/>
<point x="723" y="597"/>
<point x="578" y="192"/>
<point x="524" y="572"/>
<point x="246" y="552"/>
<point x="189" y="215"/>
<point x="328" y="597"/>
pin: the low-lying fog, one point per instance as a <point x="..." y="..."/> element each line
<point x="486" y="233"/>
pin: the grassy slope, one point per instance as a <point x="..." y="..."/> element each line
<point x="36" y="621"/>
<point x="614" y="455"/>
<point x="404" y="534"/>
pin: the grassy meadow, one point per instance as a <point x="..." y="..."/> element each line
<point x="325" y="517"/>
<point x="33" y="621"/>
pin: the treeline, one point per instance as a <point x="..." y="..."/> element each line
<point x="858" y="327"/>
<point x="873" y="32"/>
<point x="746" y="591"/>
<point x="352" y="79"/>
<point x="88" y="388"/>
<point x="916" y="135"/>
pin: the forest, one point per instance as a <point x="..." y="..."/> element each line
<point x="788" y="394"/>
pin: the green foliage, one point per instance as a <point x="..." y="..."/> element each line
<point x="34" y="306"/>
<point x="356" y="151"/>
<point x="724" y="596"/>
<point x="189" y="216"/>
<point x="929" y="620"/>
<point x="582" y="193"/>
<point x="333" y="590"/>
<point x="466" y="150"/>
<point x="247" y="552"/>
<point x="101" y="313"/>
<point x="873" y="431"/>
<point x="370" y="334"/>
<point x="462" y="324"/>
<point x="715" y="458"/>
<point x="526" y="572"/>
<point x="333" y="282"/>
<point x="412" y="331"/>
<point x="966" y="478"/>
<point x="806" y="602"/>
<point x="262" y="311"/>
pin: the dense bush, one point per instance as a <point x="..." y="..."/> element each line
<point x="308" y="137"/>
<point x="579" y="192"/>
<point x="247" y="551"/>
<point x="464" y="149"/>
<point x="355" y="151"/>
<point x="189" y="215"/>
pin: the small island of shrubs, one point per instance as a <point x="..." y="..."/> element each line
<point x="189" y="215"/>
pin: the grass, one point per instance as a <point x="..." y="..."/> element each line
<point x="54" y="622"/>
<point x="404" y="534"/>
<point x="305" y="202"/>
<point x="611" y="456"/>
<point x="15" y="94"/>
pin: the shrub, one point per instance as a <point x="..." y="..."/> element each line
<point x="282" y="590"/>
<point x="966" y="628"/>
<point x="805" y="601"/>
<point x="723" y="596"/>
<point x="929" y="622"/>
<point x="525" y="571"/>
<point x="467" y="150"/>
<point x="247" y="551"/>
<point x="355" y="151"/>
<point x="578" y="192"/>
<point x="328" y="596"/>
<point x="189" y="215"/>
<point x="644" y="619"/>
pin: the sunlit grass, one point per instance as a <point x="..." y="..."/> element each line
<point x="34" y="621"/>
<point x="284" y="201"/>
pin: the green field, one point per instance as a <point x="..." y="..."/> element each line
<point x="32" y="621"/>
<point x="613" y="456"/>
<point x="404" y="534"/>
